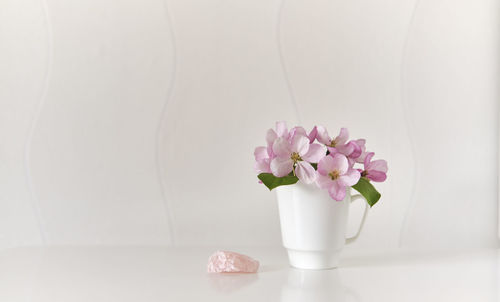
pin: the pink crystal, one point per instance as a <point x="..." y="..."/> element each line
<point x="231" y="262"/>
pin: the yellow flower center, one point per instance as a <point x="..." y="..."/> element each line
<point x="333" y="143"/>
<point x="334" y="174"/>
<point x="295" y="157"/>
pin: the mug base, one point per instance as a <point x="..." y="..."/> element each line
<point x="314" y="260"/>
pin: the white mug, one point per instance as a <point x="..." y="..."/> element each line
<point x="313" y="225"/>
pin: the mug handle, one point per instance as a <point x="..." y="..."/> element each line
<point x="354" y="198"/>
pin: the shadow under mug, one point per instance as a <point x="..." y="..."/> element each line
<point x="313" y="225"/>
<point x="317" y="286"/>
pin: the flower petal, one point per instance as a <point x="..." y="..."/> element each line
<point x="315" y="153"/>
<point x="368" y="158"/>
<point x="271" y="136"/>
<point x="281" y="147"/>
<point x="362" y="144"/>
<point x="260" y="153"/>
<point x="378" y="165"/>
<point x="312" y="135"/>
<point x="377" y="176"/>
<point x="322" y="135"/>
<point x="340" y="163"/>
<point x="271" y="152"/>
<point x="332" y="150"/>
<point x="350" y="178"/>
<point x="356" y="152"/>
<point x="305" y="172"/>
<point x="326" y="165"/>
<point x="281" y="166"/>
<point x="323" y="182"/>
<point x="351" y="162"/>
<point x="297" y="131"/>
<point x="262" y="166"/>
<point x="337" y="191"/>
<point x="346" y="149"/>
<point x="300" y="144"/>
<point x="343" y="137"/>
<point x="281" y="129"/>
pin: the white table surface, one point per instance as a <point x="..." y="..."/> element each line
<point x="179" y="274"/>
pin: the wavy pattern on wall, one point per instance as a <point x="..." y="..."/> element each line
<point x="352" y="71"/>
<point x="159" y="162"/>
<point x="407" y="113"/>
<point x="293" y="98"/>
<point x="136" y="139"/>
<point x="27" y="150"/>
<point x="450" y="84"/>
<point x="228" y="70"/>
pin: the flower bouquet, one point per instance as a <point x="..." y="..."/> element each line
<point x="331" y="164"/>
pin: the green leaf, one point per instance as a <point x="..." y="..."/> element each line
<point x="367" y="190"/>
<point x="272" y="181"/>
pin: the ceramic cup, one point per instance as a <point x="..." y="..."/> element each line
<point x="313" y="225"/>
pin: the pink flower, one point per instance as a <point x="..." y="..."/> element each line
<point x="271" y="136"/>
<point x="323" y="137"/>
<point x="313" y="134"/>
<point x="262" y="160"/>
<point x="297" y="131"/>
<point x="338" y="144"/>
<point x="374" y="170"/>
<point x="334" y="174"/>
<point x="296" y="155"/>
<point x="362" y="145"/>
<point x="282" y="131"/>
<point x="264" y="155"/>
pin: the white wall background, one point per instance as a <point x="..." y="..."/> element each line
<point x="134" y="122"/>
